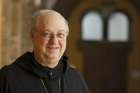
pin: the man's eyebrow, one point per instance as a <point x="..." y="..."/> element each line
<point x="62" y="30"/>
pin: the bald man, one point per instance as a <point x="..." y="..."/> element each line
<point x="45" y="70"/>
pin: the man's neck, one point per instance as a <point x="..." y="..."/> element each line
<point x="50" y="63"/>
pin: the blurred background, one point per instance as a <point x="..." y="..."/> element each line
<point x="104" y="40"/>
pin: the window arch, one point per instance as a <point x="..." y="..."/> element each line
<point x="118" y="27"/>
<point x="92" y="27"/>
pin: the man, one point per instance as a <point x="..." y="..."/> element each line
<point x="45" y="70"/>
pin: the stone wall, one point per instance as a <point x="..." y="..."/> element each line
<point x="15" y="32"/>
<point x="0" y="26"/>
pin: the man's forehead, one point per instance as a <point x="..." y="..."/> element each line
<point x="51" y="15"/>
<point x="51" y="19"/>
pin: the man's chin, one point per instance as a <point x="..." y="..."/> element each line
<point x="52" y="57"/>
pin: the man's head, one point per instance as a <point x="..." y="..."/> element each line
<point x="49" y="34"/>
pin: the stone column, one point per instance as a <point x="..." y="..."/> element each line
<point x="0" y="30"/>
<point x="14" y="34"/>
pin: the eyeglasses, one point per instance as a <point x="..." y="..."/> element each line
<point x="59" y="35"/>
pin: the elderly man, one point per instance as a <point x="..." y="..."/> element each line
<point x="45" y="70"/>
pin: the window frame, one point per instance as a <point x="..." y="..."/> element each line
<point x="105" y="25"/>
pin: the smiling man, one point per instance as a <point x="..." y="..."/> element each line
<point x="45" y="70"/>
<point x="49" y="38"/>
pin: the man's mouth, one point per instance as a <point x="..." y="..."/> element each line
<point x="53" y="47"/>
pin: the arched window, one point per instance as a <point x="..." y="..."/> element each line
<point x="118" y="27"/>
<point x="92" y="27"/>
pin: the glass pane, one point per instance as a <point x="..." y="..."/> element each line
<point x="118" y="27"/>
<point x="92" y="27"/>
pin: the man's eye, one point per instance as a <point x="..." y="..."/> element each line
<point x="45" y="34"/>
<point x="60" y="35"/>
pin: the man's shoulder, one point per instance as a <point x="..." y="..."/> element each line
<point x="72" y="68"/>
<point x="14" y="66"/>
<point x="73" y="71"/>
<point x="8" y="69"/>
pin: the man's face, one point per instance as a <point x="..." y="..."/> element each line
<point x="49" y="40"/>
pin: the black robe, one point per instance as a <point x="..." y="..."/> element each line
<point x="25" y="76"/>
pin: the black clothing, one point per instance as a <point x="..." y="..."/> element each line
<point x="25" y="75"/>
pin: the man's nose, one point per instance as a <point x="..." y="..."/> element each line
<point x="53" y="39"/>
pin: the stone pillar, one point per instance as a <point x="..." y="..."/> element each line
<point x="0" y="30"/>
<point x="15" y="29"/>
